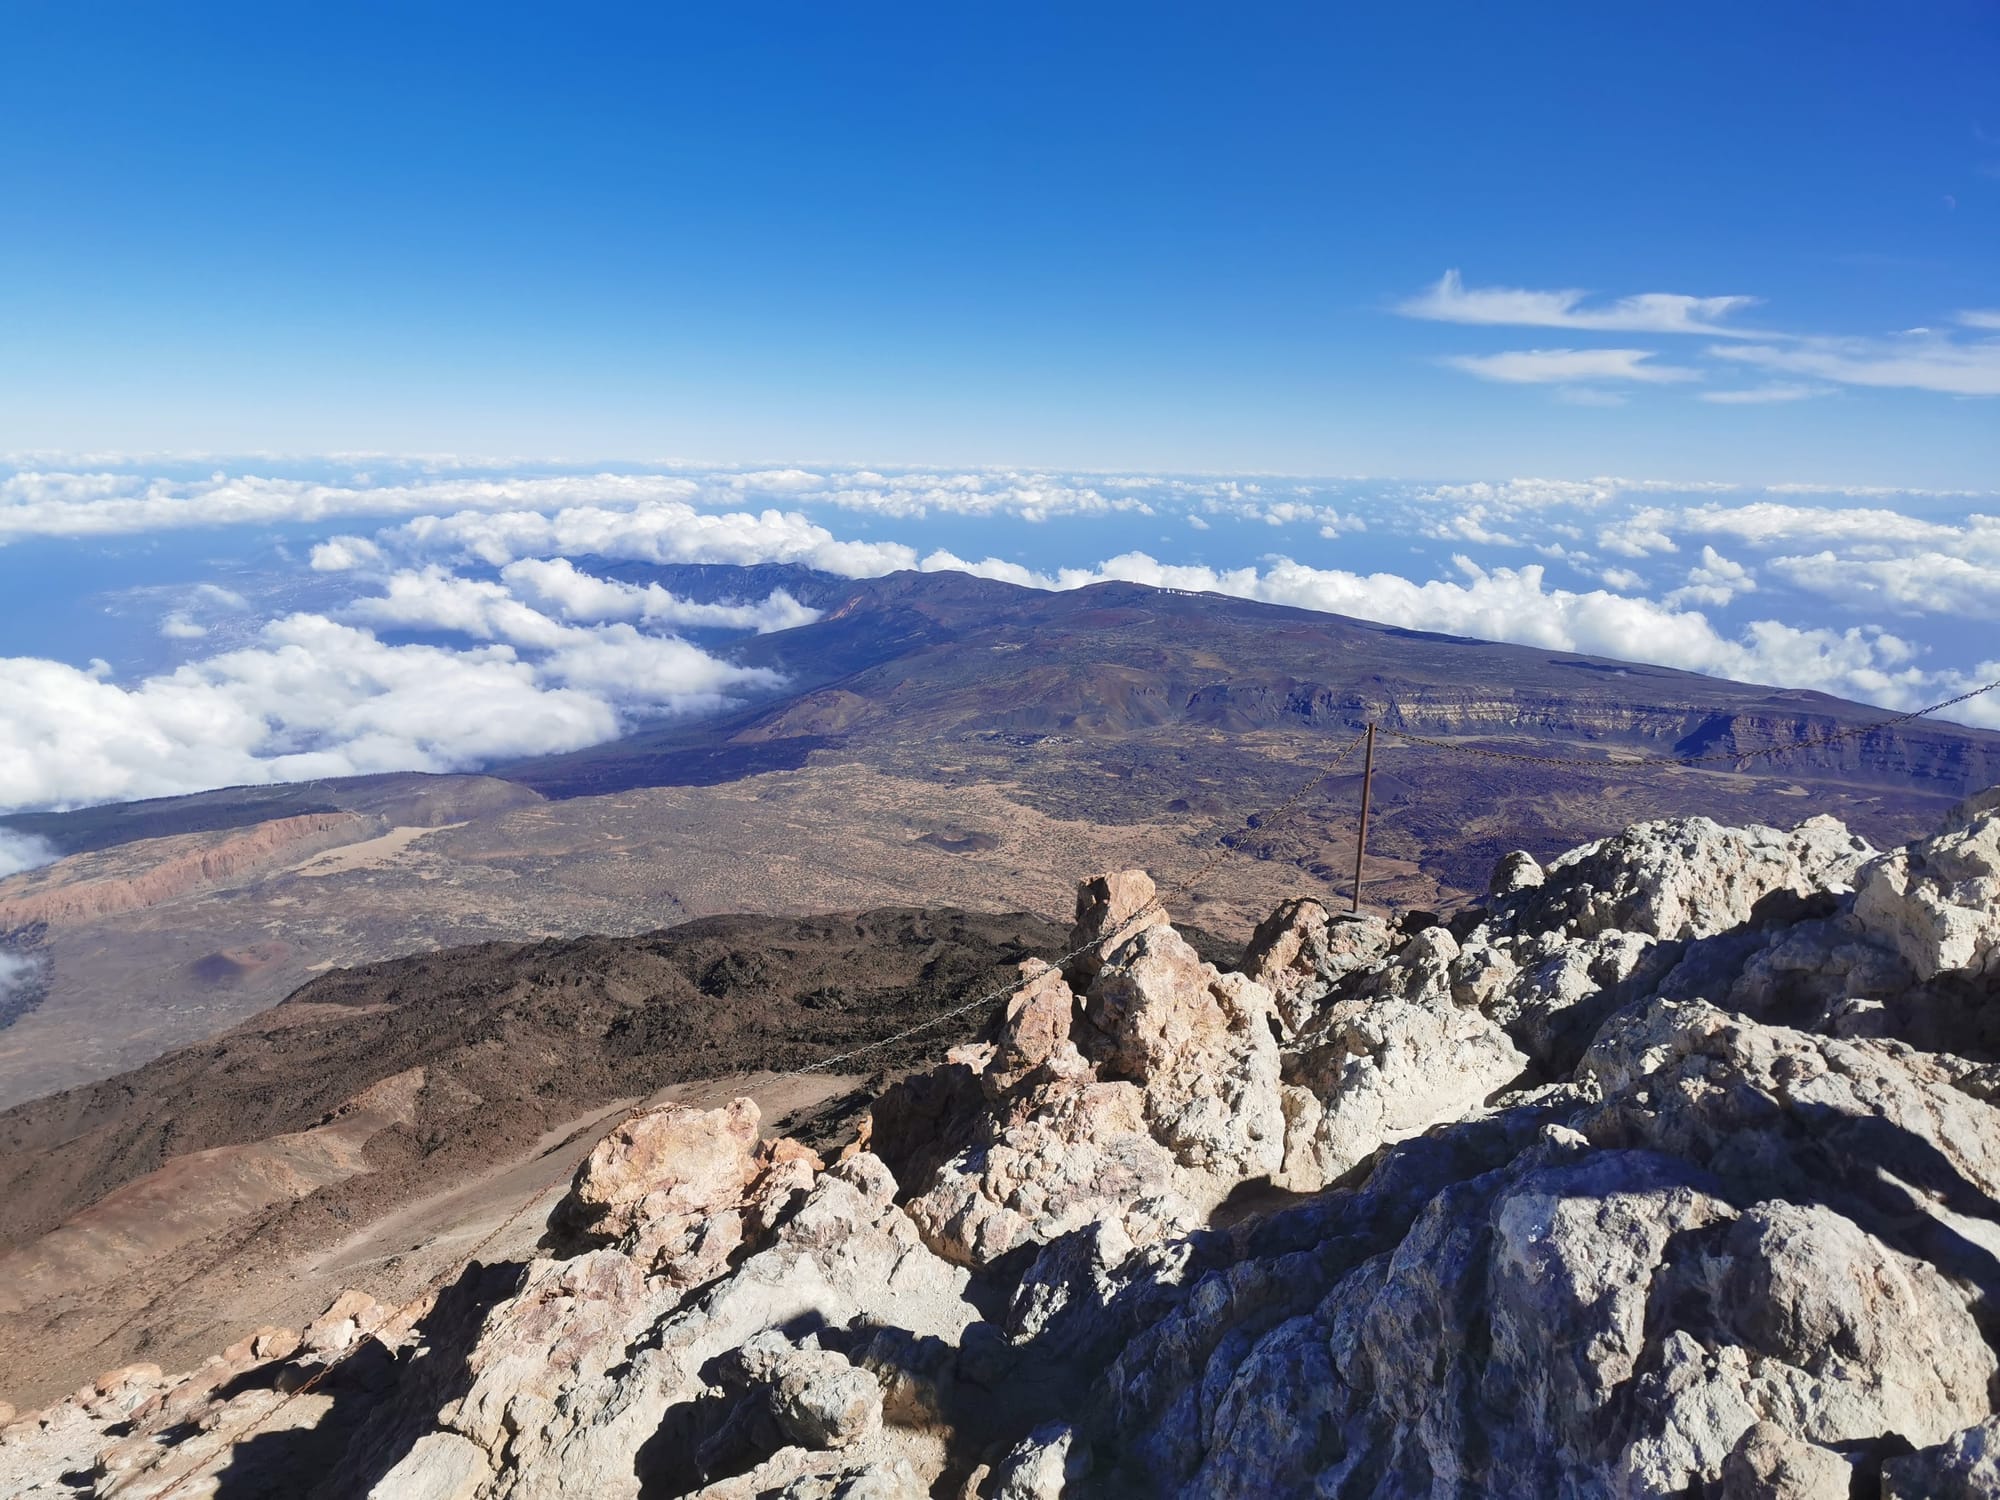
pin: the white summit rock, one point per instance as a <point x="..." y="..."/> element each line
<point x="1673" y="1171"/>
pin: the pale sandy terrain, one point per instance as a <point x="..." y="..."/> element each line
<point x="128" y="986"/>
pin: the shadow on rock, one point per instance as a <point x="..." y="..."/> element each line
<point x="381" y="1403"/>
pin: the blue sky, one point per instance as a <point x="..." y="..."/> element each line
<point x="1160" y="237"/>
<point x="332" y="338"/>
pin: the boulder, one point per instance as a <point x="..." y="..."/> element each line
<point x="1203" y="1048"/>
<point x="1377" y="1071"/>
<point x="1965" y="1466"/>
<point x="1685" y="877"/>
<point x="1937" y="902"/>
<point x="1034" y="1027"/>
<point x="1769" y="1463"/>
<point x="1301" y="952"/>
<point x="1081" y="1153"/>
<point x="822" y="1401"/>
<point x="668" y="1162"/>
<point x="1516" y="871"/>
<point x="1042" y="1466"/>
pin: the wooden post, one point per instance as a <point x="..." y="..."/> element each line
<point x="1361" y="834"/>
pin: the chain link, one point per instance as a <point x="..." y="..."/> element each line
<point x="984" y="1000"/>
<point x="999" y="992"/>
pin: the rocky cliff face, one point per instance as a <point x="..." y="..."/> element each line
<point x="1673" y="1170"/>
<point x="134" y="876"/>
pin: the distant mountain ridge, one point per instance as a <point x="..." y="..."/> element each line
<point x="974" y="655"/>
<point x="939" y="738"/>
<point x="950" y="653"/>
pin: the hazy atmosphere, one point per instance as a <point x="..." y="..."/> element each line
<point x="999" y="752"/>
<point x="1145" y="297"/>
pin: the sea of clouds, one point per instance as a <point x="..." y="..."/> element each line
<point x="453" y="625"/>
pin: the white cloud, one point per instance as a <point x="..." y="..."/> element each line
<point x="657" y="531"/>
<point x="1640" y="534"/>
<point x="1761" y="395"/>
<point x="23" y="851"/>
<point x="942" y="561"/>
<point x="433" y="598"/>
<point x="1922" y="359"/>
<point x="915" y="494"/>
<point x="1249" y="503"/>
<point x="1877" y="491"/>
<point x="1962" y="362"/>
<point x="1291" y="513"/>
<point x="1569" y="366"/>
<point x="625" y="667"/>
<point x="178" y="627"/>
<point x="343" y="554"/>
<point x="316" y="698"/>
<point x="18" y="972"/>
<point x="578" y="596"/>
<point x="1470" y="525"/>
<point x="1714" y="581"/>
<point x="61" y="504"/>
<point x="1935" y="583"/>
<point x="1623" y="579"/>
<point x="1768" y="523"/>
<point x="1451" y="301"/>
<point x="1514" y="495"/>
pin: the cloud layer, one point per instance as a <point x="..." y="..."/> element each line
<point x="318" y="697"/>
<point x="481" y="631"/>
<point x="23" y="851"/>
<point x="1958" y="360"/>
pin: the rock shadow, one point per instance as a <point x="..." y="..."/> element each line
<point x="720" y="1435"/>
<point x="382" y="1402"/>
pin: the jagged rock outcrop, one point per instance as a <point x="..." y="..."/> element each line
<point x="1938" y="901"/>
<point x="1651" y="1178"/>
<point x="1688" y="878"/>
<point x="1302" y="950"/>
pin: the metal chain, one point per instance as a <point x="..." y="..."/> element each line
<point x="986" y="999"/>
<point x="1157" y="903"/>
<point x="1321" y="772"/>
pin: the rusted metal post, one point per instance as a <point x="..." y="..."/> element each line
<point x="1361" y="834"/>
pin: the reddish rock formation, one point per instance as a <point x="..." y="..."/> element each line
<point x="154" y="870"/>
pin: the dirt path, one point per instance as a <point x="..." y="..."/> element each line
<point x="421" y="1238"/>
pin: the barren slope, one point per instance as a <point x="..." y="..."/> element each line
<point x="258" y="1166"/>
<point x="949" y="739"/>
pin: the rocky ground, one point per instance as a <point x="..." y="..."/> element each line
<point x="1671" y="1170"/>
